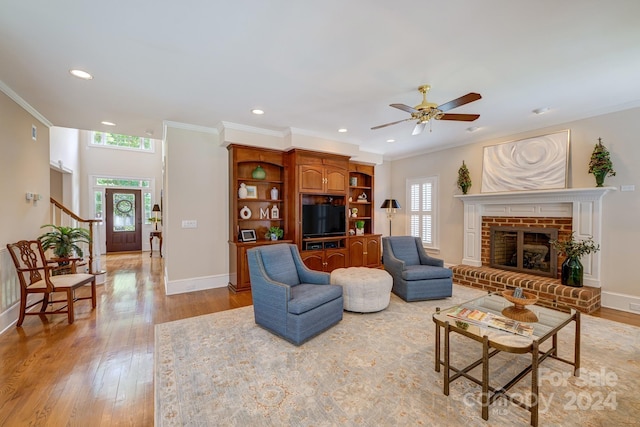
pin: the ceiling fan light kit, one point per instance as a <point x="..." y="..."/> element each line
<point x="425" y="111"/>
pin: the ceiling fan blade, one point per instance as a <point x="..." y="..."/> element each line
<point x="404" y="108"/>
<point x="419" y="128"/>
<point x="389" y="124"/>
<point x="459" y="117"/>
<point x="470" y="97"/>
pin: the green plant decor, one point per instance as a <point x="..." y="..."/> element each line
<point x="274" y="229"/>
<point x="575" y="249"/>
<point x="571" y="269"/>
<point x="63" y="240"/>
<point x="360" y="224"/>
<point x="464" y="179"/>
<point x="600" y="164"/>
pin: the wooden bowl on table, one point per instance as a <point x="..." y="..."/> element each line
<point x="519" y="311"/>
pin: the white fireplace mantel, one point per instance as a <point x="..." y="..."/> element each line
<point x="583" y="205"/>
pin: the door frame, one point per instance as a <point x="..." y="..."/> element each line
<point x="101" y="227"/>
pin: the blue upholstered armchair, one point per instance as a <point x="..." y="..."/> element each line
<point x="416" y="275"/>
<point x="289" y="299"/>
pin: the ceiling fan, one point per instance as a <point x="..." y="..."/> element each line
<point x="426" y="111"/>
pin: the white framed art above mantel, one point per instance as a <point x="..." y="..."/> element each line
<point x="537" y="163"/>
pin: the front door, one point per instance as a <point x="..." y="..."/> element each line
<point x="123" y="220"/>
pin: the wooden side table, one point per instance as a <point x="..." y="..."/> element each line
<point x="157" y="234"/>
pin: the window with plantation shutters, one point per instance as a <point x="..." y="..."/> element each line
<point x="421" y="194"/>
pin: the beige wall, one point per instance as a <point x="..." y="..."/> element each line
<point x="24" y="167"/>
<point x="196" y="169"/>
<point x="621" y="228"/>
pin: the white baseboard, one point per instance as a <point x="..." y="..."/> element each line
<point x="9" y="317"/>
<point x="621" y="302"/>
<point x="196" y="284"/>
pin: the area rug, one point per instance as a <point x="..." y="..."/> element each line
<point x="377" y="369"/>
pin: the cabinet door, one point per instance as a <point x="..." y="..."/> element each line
<point x="313" y="259"/>
<point x="336" y="179"/>
<point x="238" y="268"/>
<point x="372" y="257"/>
<point x="244" y="281"/>
<point x="311" y="179"/>
<point x="335" y="259"/>
<point x="357" y="252"/>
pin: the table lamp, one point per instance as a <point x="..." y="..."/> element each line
<point x="156" y="209"/>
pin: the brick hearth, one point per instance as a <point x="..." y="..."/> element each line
<point x="550" y="292"/>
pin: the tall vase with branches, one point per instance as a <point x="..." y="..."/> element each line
<point x="572" y="270"/>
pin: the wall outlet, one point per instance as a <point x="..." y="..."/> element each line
<point x="627" y="188"/>
<point x="634" y="307"/>
<point x="189" y="223"/>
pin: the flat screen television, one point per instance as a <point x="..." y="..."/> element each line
<point x="323" y="220"/>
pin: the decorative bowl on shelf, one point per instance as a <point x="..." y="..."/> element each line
<point x="519" y="311"/>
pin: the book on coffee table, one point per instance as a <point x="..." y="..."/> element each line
<point x="482" y="318"/>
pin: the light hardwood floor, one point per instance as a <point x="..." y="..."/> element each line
<point x="99" y="370"/>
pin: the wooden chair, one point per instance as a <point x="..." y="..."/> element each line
<point x="35" y="275"/>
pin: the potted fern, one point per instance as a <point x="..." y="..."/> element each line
<point x="63" y="241"/>
<point x="600" y="164"/>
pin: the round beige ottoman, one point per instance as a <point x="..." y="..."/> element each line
<point x="364" y="289"/>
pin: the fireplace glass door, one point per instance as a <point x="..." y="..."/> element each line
<point x="525" y="249"/>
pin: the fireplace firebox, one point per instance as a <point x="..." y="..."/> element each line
<point x="524" y="249"/>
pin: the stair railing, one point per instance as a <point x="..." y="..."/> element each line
<point x="63" y="216"/>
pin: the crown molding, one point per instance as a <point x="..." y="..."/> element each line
<point x="252" y="129"/>
<point x="187" y="126"/>
<point x="24" y="104"/>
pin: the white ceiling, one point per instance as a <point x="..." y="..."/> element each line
<point x="318" y="66"/>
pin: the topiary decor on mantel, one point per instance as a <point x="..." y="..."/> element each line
<point x="600" y="165"/>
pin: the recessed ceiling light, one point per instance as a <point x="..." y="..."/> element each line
<point x="148" y="132"/>
<point x="342" y="130"/>
<point x="108" y="123"/>
<point x="257" y="111"/>
<point x="472" y="129"/>
<point x="391" y="140"/>
<point x="81" y="74"/>
<point x="541" y="110"/>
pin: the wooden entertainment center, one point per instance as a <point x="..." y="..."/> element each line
<point x="297" y="178"/>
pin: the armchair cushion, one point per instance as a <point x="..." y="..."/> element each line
<point x="425" y="272"/>
<point x="305" y="297"/>
<point x="280" y="266"/>
<point x="404" y="248"/>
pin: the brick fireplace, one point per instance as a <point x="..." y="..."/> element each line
<point x="567" y="210"/>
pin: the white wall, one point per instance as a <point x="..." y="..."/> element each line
<point x="64" y="157"/>
<point x="621" y="228"/>
<point x="116" y="163"/>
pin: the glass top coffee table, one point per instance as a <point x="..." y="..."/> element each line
<point x="482" y="321"/>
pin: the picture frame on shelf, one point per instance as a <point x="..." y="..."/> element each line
<point x="248" y="235"/>
<point x="252" y="192"/>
